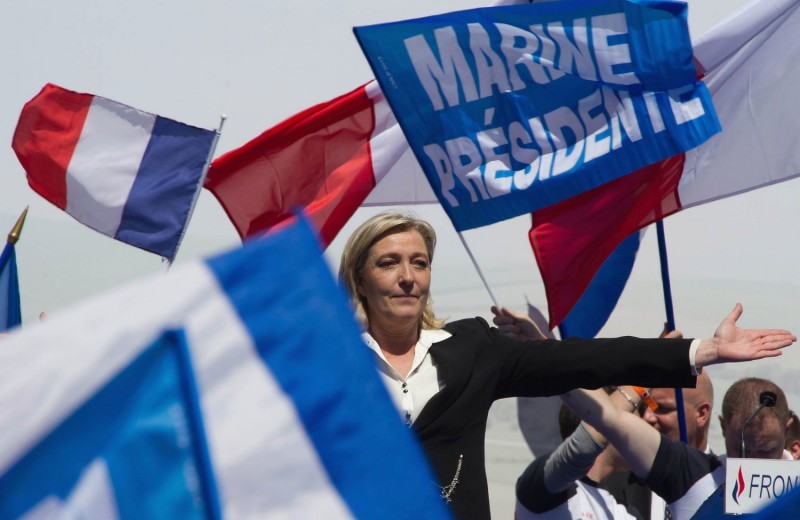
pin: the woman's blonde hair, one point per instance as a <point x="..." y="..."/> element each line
<point x="358" y="246"/>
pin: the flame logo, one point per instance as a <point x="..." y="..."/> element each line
<point x="738" y="487"/>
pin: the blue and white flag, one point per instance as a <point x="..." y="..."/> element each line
<point x="135" y="449"/>
<point x="511" y="109"/>
<point x="298" y="423"/>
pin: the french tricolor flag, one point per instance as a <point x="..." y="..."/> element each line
<point x="128" y="174"/>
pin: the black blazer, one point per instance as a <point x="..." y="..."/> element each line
<point x="478" y="365"/>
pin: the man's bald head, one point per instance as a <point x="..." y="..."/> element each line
<point x="697" y="404"/>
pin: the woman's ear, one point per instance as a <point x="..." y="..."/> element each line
<point x="359" y="285"/>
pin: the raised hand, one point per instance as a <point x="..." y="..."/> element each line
<point x="732" y="343"/>
<point x="516" y="324"/>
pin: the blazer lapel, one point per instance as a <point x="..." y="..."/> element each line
<point x="454" y="359"/>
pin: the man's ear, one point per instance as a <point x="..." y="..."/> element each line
<point x="722" y="424"/>
<point x="794" y="449"/>
<point x="703" y="414"/>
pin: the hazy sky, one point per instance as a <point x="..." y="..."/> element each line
<point x="261" y="61"/>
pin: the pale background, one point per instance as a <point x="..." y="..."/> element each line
<point x="262" y="61"/>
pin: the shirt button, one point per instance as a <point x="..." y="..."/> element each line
<point x="405" y="390"/>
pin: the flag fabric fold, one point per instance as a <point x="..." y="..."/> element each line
<point x="126" y="173"/>
<point x="752" y="65"/>
<point x="279" y="420"/>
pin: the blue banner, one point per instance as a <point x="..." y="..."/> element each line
<point x="136" y="449"/>
<point x="511" y="109"/>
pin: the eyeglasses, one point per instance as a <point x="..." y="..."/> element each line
<point x="646" y="398"/>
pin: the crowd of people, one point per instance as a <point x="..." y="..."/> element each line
<point x="443" y="378"/>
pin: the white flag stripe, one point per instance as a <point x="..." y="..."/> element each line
<point x="116" y="137"/>
<point x="755" y="95"/>
<point x="730" y="35"/>
<point x="398" y="178"/>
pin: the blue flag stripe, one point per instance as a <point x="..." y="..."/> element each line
<point x="158" y="205"/>
<point x="194" y="415"/>
<point x="10" y="308"/>
<point x="598" y="301"/>
<point x="134" y="427"/>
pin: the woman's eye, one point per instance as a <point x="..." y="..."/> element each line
<point x="421" y="264"/>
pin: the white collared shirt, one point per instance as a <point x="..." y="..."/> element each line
<point x="410" y="394"/>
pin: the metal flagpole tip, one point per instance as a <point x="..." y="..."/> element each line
<point x="16" y="231"/>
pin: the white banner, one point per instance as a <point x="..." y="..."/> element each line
<point x="751" y="484"/>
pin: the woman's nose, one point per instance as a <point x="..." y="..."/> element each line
<point x="406" y="273"/>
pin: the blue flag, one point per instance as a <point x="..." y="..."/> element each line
<point x="511" y="109"/>
<point x="10" y="308"/>
<point x="136" y="449"/>
<point x="299" y="424"/>
<point x="785" y="507"/>
<point x="597" y="303"/>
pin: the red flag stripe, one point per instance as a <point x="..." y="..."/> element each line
<point x="45" y="138"/>
<point x="319" y="159"/>
<point x="597" y="221"/>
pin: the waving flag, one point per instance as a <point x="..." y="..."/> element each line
<point x="512" y="109"/>
<point x="597" y="302"/>
<point x="326" y="159"/>
<point x="136" y="449"/>
<point x="753" y="57"/>
<point x="87" y="396"/>
<point x="128" y="174"/>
